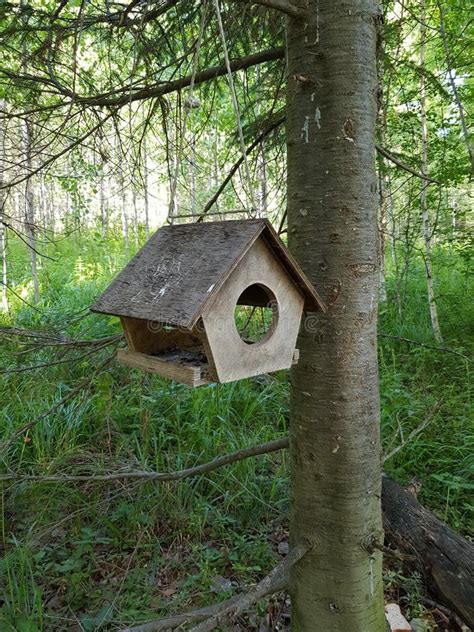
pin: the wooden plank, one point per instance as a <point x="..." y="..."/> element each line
<point x="184" y="373"/>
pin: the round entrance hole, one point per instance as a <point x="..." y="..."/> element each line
<point x="256" y="313"/>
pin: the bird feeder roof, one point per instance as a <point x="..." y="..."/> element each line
<point x="183" y="266"/>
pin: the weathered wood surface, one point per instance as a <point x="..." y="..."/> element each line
<point x="234" y="358"/>
<point x="445" y="557"/>
<point x="150" y="337"/>
<point x="175" y="367"/>
<point x="183" y="266"/>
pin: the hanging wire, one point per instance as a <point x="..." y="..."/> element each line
<point x="190" y="103"/>
<point x="235" y="104"/>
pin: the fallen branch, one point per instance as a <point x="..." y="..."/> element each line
<point x="204" y="468"/>
<point x="446" y="611"/>
<point x="217" y="614"/>
<point x="48" y="340"/>
<point x="445" y="558"/>
<point x="274" y="582"/>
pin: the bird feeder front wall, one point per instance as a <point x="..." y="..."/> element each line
<point x="232" y="357"/>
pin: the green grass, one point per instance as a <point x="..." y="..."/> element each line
<point x="105" y="554"/>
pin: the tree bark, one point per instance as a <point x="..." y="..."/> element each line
<point x="445" y="557"/>
<point x="425" y="216"/>
<point x="3" y="240"/>
<point x="29" y="209"/>
<point x="145" y="189"/>
<point x="333" y="232"/>
<point x="103" y="208"/>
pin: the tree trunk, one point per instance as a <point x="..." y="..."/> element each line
<point x="123" y="211"/>
<point x="333" y="232"/>
<point x="29" y="214"/>
<point x="103" y="208"/>
<point x="145" y="189"/>
<point x="135" y="217"/>
<point x="262" y="179"/>
<point x="382" y="231"/>
<point x="192" y="166"/>
<point x="425" y="217"/>
<point x="3" y="240"/>
<point x="445" y="557"/>
<point x="3" y="258"/>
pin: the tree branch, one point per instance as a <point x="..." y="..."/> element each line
<point x="159" y="89"/>
<point x="159" y="477"/>
<point x="280" y="5"/>
<point x="403" y="166"/>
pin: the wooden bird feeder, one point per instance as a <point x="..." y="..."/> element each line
<point x="177" y="301"/>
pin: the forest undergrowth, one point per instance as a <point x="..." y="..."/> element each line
<point x="100" y="555"/>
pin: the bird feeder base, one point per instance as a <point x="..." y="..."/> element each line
<point x="186" y="366"/>
<point x="181" y="365"/>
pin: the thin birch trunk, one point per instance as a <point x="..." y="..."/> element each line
<point x="123" y="211"/>
<point x="3" y="258"/>
<point x="193" y="176"/>
<point x="145" y="189"/>
<point x="215" y="167"/>
<point x="135" y="216"/>
<point x="262" y="191"/>
<point x="262" y="178"/>
<point x="29" y="209"/>
<point x="382" y="231"/>
<point x="103" y="209"/>
<point x="393" y="245"/>
<point x="332" y="231"/>
<point x="425" y="217"/>
<point x="3" y="235"/>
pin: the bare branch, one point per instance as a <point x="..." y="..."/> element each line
<point x="386" y="154"/>
<point x="159" y="477"/>
<point x="42" y="365"/>
<point x="159" y="89"/>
